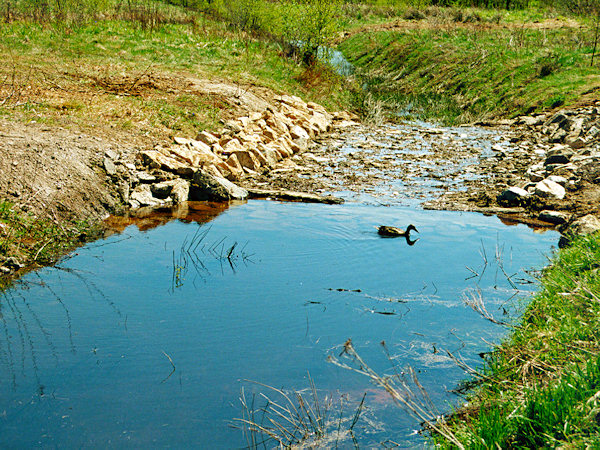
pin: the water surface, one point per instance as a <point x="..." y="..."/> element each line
<point x="146" y="338"/>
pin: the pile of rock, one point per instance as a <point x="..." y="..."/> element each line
<point x="206" y="167"/>
<point x="564" y="158"/>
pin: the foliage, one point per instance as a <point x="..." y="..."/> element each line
<point x="466" y="74"/>
<point x="541" y="387"/>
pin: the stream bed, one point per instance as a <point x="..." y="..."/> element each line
<point x="148" y="337"/>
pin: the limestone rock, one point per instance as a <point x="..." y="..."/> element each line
<point x="208" y="187"/>
<point x="297" y="132"/>
<point x="585" y="225"/>
<point x="142" y="196"/>
<point x="513" y="196"/>
<point x="555" y="217"/>
<point x="110" y="167"/>
<point x="207" y="138"/>
<point x="247" y="159"/>
<point x="549" y="189"/>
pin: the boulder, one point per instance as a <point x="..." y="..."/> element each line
<point x="549" y="189"/>
<point x="142" y="196"/>
<point x="208" y="187"/>
<point x="177" y="189"/>
<point x="156" y="159"/>
<point x="207" y="138"/>
<point x="513" y="196"/>
<point x="555" y="217"/>
<point x="247" y="159"/>
<point x="558" y="155"/>
<point x="297" y="132"/>
<point x="585" y="225"/>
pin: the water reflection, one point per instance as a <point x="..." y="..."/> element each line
<point x="148" y="218"/>
<point x="144" y="339"/>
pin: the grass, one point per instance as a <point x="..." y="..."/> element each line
<point x="39" y="240"/>
<point x="474" y="72"/>
<point x="137" y="79"/>
<point x="541" y="388"/>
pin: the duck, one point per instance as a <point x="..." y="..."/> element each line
<point x="388" y="231"/>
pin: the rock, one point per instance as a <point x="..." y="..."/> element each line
<point x="110" y="167"/>
<point x="145" y="177"/>
<point x="320" y="121"/>
<point x="270" y="154"/>
<point x="294" y="195"/>
<point x="585" y="225"/>
<point x="247" y="159"/>
<point x="558" y="180"/>
<point x="156" y="159"/>
<point x="235" y="167"/>
<point x="558" y="136"/>
<point x="534" y="176"/>
<point x="161" y="190"/>
<point x="233" y="126"/>
<point x="269" y="134"/>
<point x="558" y="155"/>
<point x="181" y="140"/>
<point x="207" y="187"/>
<point x="298" y="132"/>
<point x="555" y="217"/>
<point x="513" y="196"/>
<point x="142" y="196"/>
<point x="260" y="157"/>
<point x="293" y="101"/>
<point x="111" y="154"/>
<point x="560" y="119"/>
<point x="549" y="189"/>
<point x="207" y="138"/>
<point x="232" y="146"/>
<point x="575" y="142"/>
<point x="299" y="145"/>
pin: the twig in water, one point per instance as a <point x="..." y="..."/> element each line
<point x="172" y="364"/>
<point x="474" y="299"/>
<point x="418" y="405"/>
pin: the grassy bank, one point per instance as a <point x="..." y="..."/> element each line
<point x="38" y="240"/>
<point x="541" y="388"/>
<point x="121" y="75"/>
<point x="468" y="65"/>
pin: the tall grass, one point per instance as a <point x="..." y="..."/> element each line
<point x="542" y="386"/>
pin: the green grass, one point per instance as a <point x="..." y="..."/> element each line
<point x="476" y="73"/>
<point x="71" y="76"/>
<point x="37" y="240"/>
<point x="541" y="384"/>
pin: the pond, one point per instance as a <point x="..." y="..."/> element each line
<point x="148" y="337"/>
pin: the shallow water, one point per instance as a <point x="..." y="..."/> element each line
<point x="146" y="338"/>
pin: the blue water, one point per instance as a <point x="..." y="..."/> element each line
<point x="140" y="340"/>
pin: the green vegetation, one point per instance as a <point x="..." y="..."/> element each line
<point x="541" y="388"/>
<point x="470" y="72"/>
<point x="39" y="240"/>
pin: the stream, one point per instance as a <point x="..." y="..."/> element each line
<point x="149" y="338"/>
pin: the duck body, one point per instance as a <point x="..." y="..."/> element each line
<point x="388" y="231"/>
